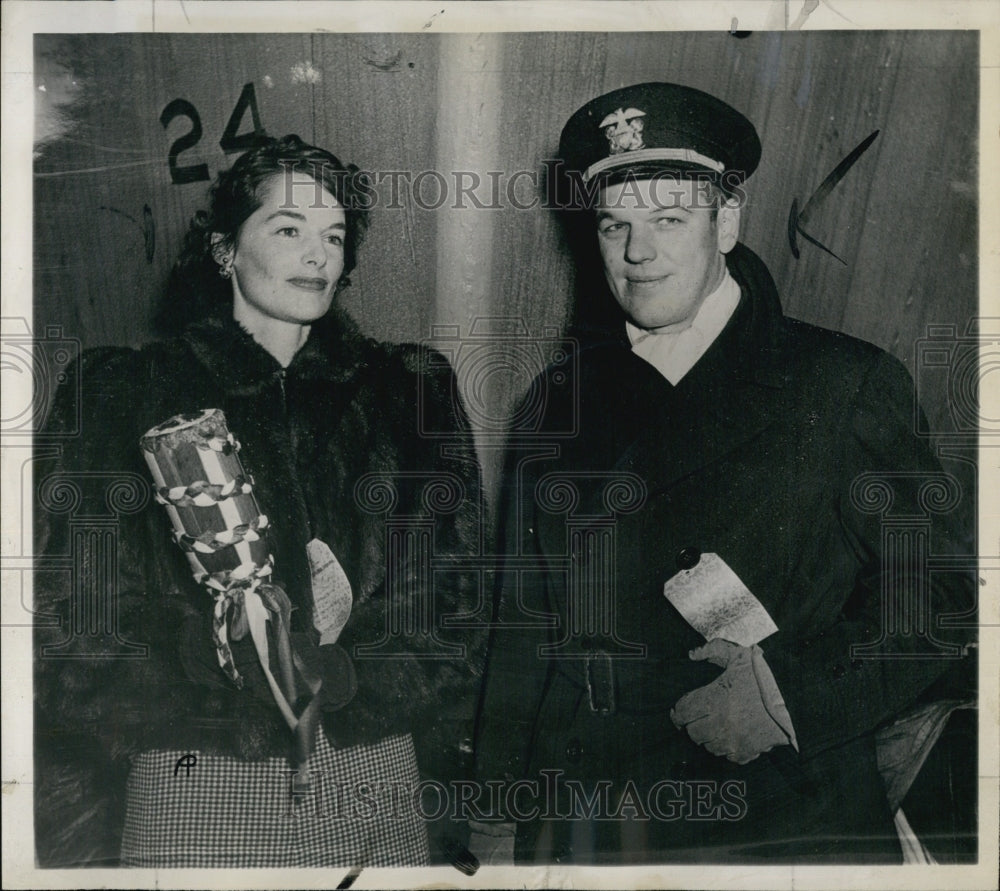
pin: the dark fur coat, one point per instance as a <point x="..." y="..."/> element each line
<point x="142" y="673"/>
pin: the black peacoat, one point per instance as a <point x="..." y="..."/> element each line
<point x="790" y="452"/>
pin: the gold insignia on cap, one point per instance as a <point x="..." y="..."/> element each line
<point x="624" y="130"/>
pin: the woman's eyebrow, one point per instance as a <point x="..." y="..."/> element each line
<point x="285" y="213"/>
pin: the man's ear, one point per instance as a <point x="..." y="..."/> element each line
<point x="727" y="225"/>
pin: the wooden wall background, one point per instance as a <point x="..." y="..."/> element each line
<point x="904" y="219"/>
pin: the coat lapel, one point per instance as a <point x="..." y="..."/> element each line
<point x="726" y="401"/>
<point x="696" y="428"/>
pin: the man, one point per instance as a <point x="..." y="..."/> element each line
<point x="699" y="628"/>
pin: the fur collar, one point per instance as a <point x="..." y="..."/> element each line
<point x="335" y="351"/>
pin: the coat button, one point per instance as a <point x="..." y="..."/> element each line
<point x="839" y="671"/>
<point x="574" y="750"/>
<point x="687" y="558"/>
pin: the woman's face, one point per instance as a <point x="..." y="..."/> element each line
<point x="289" y="252"/>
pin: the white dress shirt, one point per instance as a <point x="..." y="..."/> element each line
<point x="675" y="353"/>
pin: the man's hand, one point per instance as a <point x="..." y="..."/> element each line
<point x="732" y="716"/>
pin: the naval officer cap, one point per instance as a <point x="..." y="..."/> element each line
<point x="660" y="129"/>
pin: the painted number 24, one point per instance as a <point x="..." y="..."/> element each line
<point x="231" y="141"/>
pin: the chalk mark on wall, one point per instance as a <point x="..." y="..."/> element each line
<point x="797" y="219"/>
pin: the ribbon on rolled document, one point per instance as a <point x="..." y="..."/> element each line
<point x="199" y="479"/>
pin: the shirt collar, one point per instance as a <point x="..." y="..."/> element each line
<point x="674" y="354"/>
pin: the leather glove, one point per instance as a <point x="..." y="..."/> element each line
<point x="200" y="660"/>
<point x="741" y="713"/>
<point x="332" y="663"/>
<point x="201" y="664"/>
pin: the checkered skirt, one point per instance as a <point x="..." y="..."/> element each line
<point x="216" y="811"/>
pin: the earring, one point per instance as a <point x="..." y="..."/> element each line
<point x="226" y="269"/>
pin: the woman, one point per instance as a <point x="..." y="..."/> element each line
<point x="330" y="435"/>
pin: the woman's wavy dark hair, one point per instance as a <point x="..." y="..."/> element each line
<point x="195" y="289"/>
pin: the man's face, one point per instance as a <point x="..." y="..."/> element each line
<point x="663" y="248"/>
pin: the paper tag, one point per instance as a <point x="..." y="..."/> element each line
<point x="332" y="596"/>
<point x="713" y="600"/>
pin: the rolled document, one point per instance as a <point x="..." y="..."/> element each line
<point x="715" y="602"/>
<point x="199" y="479"/>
